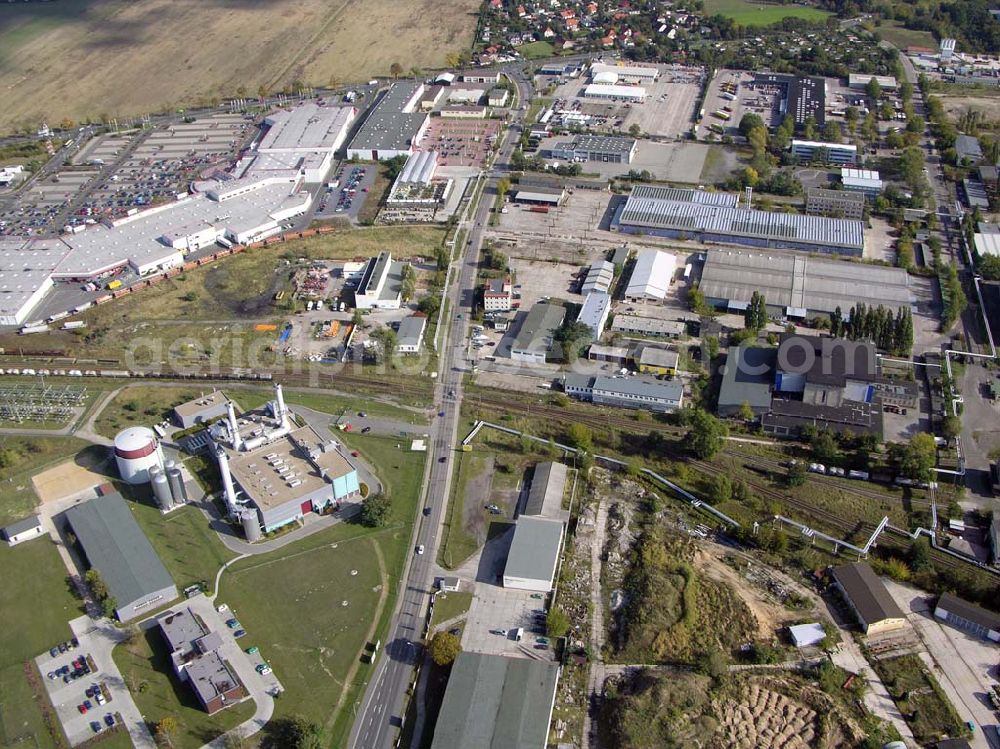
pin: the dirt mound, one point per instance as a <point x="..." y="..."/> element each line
<point x="766" y="719"/>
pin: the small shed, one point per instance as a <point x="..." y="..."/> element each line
<point x="806" y="635"/>
<point x="22" y="530"/>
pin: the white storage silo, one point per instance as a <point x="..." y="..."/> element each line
<point x="176" y="481"/>
<point x="161" y="489"/>
<point x="136" y="451"/>
<point x="251" y="525"/>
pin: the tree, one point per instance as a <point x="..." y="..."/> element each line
<point x="918" y="458"/>
<point x="166" y="730"/>
<point x="579" y="436"/>
<point x="444" y="648"/>
<point x="385" y="343"/>
<point x="746" y="412"/>
<point x="430" y="305"/>
<point x="557" y="623"/>
<point x="705" y="434"/>
<point x="634" y="130"/>
<point x="96" y="583"/>
<point x="755" y="315"/>
<point x="749" y="121"/>
<point x="722" y="489"/>
<point x="951" y="427"/>
<point x="395" y="70"/>
<point x="824" y="447"/>
<point x="409" y="282"/>
<point x="832" y="133"/>
<point x="375" y="510"/>
<point x="920" y="555"/>
<point x="873" y="89"/>
<point x="633" y="468"/>
<point x="503" y="186"/>
<point x="712" y="663"/>
<point x="573" y="335"/>
<point x="796" y="475"/>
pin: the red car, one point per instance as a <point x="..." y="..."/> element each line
<point x="82" y="708"/>
<point x="355" y="454"/>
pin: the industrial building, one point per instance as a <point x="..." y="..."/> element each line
<point x="859" y="81"/>
<point x="201" y="410"/>
<point x="868" y="598"/>
<point x="615" y="354"/>
<point x="545" y="495"/>
<point x="113" y="543"/>
<point x="600" y="276"/>
<point x="303" y="138"/>
<point x="538" y="195"/>
<point x="274" y="472"/>
<point x="613" y="91"/>
<point x="594" y="312"/>
<point x="534" y="554"/>
<point x="748" y="376"/>
<point x="534" y="341"/>
<point x="646" y="213"/>
<point x="645" y="393"/>
<point x="394" y="126"/>
<point x="604" y="73"/>
<point x="835" y="153"/>
<point x="968" y="149"/>
<point x="864" y="181"/>
<point x="418" y="193"/>
<point x="658" y="361"/>
<point x="803" y="98"/>
<point x="798" y="286"/>
<point x="22" y="530"/>
<point x="648" y="326"/>
<point x="195" y="657"/>
<point x="498" y="295"/>
<point x="835" y="203"/>
<point x="968" y="617"/>
<point x="381" y="284"/>
<point x="651" y="276"/>
<point x="603" y="148"/>
<point x="136" y="450"/>
<point x="410" y="336"/>
<point x="496" y="702"/>
<point x="987" y="243"/>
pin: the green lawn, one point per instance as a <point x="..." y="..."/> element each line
<point x="449" y="605"/>
<point x="20" y="459"/>
<point x="341" y="404"/>
<point x="747" y="13"/>
<point x="458" y="544"/>
<point x="37" y="605"/>
<point x="536" y="50"/>
<point x="158" y="693"/>
<point x="190" y="550"/>
<point x="290" y="601"/>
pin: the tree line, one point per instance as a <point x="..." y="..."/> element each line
<point x="889" y="332"/>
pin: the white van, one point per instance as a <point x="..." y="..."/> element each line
<point x="518" y="634"/>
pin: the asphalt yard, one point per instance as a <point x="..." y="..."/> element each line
<point x="460" y="142"/>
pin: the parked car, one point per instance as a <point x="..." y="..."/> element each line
<point x="95" y="726"/>
<point x="253" y="650"/>
<point x="261" y="668"/>
<point x="232" y="623"/>
<point x="109" y="720"/>
<point x="239" y="633"/>
<point x="420" y="549"/>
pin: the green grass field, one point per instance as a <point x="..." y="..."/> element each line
<point x="37" y="603"/>
<point x="145" y="666"/>
<point x="458" y="544"/>
<point x="920" y="698"/>
<point x="747" y="13"/>
<point x="449" y="605"/>
<point x="902" y="37"/>
<point x="20" y="459"/>
<point x="536" y="50"/>
<point x="290" y="600"/>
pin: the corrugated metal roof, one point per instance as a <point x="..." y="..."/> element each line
<point x="651" y="274"/>
<point x="788" y="280"/>
<point x="496" y="702"/>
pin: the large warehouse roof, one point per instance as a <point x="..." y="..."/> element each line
<point x="307" y="127"/>
<point x="116" y="546"/>
<point x="391" y="125"/>
<point x="686" y="195"/>
<point x="866" y="592"/>
<point x="655" y="213"/>
<point x="534" y="551"/>
<point x="548" y="484"/>
<point x="802" y="282"/>
<point x="496" y="702"/>
<point x="651" y="275"/>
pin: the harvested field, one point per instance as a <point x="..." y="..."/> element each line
<point x="88" y="58"/>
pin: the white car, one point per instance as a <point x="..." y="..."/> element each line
<point x="222" y="607"/>
<point x="420" y="549"/>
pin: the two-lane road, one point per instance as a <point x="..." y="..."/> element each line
<point x="379" y="717"/>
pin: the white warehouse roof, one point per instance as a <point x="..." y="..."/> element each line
<point x="860" y="178"/>
<point x="419" y="168"/>
<point x="651" y="275"/>
<point x="605" y="90"/>
<point x="307" y="127"/>
<point x="625" y="71"/>
<point x="988" y="244"/>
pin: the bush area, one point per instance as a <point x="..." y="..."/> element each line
<point x="673" y="614"/>
<point x="920" y="699"/>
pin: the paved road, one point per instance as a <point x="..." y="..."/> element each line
<point x="379" y="716"/>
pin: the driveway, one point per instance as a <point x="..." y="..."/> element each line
<point x="961" y="663"/>
<point x="97" y="638"/>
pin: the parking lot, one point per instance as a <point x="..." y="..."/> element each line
<point x="85" y="687"/>
<point x="762" y="100"/>
<point x="346" y="191"/>
<point x="460" y="142"/>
